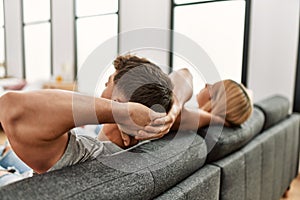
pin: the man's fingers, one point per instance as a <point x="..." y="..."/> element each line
<point x="153" y="129"/>
<point x="159" y="121"/>
<point x="142" y="135"/>
<point x="147" y="136"/>
<point x="162" y="121"/>
<point x="155" y="115"/>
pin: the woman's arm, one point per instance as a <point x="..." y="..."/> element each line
<point x="192" y="119"/>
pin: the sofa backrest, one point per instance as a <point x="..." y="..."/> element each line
<point x="275" y="109"/>
<point x="265" y="114"/>
<point x="143" y="173"/>
<point x="221" y="142"/>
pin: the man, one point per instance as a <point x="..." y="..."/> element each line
<point x="136" y="68"/>
<point x="37" y="123"/>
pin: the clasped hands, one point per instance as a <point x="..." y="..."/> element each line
<point x="142" y="123"/>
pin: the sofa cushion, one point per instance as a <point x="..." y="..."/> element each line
<point x="186" y="153"/>
<point x="233" y="180"/>
<point x="275" y="108"/>
<point x="253" y="160"/>
<point x="223" y="141"/>
<point x="202" y="185"/>
<point x="142" y="173"/>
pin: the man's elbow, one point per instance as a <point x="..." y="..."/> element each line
<point x="11" y="110"/>
<point x="186" y="73"/>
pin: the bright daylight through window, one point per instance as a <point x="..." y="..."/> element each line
<point x="37" y="39"/>
<point x="96" y="22"/>
<point x="218" y="27"/>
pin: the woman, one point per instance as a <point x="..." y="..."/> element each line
<point x="227" y="99"/>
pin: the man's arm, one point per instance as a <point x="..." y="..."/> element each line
<point x="36" y="122"/>
<point x="39" y="111"/>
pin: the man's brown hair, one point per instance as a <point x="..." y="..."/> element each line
<point x="141" y="81"/>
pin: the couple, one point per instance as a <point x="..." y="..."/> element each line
<point x="39" y="124"/>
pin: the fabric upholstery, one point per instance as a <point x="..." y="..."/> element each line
<point x="168" y="172"/>
<point x="244" y="165"/>
<point x="275" y="108"/>
<point x="267" y="141"/>
<point x="279" y="164"/>
<point x="295" y="156"/>
<point x="253" y="160"/>
<point x="277" y="161"/>
<point x="143" y="173"/>
<point x="232" y="176"/>
<point x="292" y="144"/>
<point x="221" y="142"/>
<point x="202" y="185"/>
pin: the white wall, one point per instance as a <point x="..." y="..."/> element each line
<point x="13" y="34"/>
<point x="137" y="14"/>
<point x="273" y="47"/>
<point x="63" y="38"/>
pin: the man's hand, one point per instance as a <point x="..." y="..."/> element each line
<point x="133" y="118"/>
<point x="162" y="125"/>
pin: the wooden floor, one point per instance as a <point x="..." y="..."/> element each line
<point x="294" y="192"/>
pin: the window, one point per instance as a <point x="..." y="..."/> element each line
<point x="178" y="2"/>
<point x="96" y="22"/>
<point x="218" y="27"/>
<point x="37" y="39"/>
<point x="2" y="41"/>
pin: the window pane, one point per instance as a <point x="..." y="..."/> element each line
<point x="1" y="13"/>
<point x="2" y="48"/>
<point x="92" y="32"/>
<point x="188" y="1"/>
<point x="218" y="28"/>
<point x="94" y="7"/>
<point x="37" y="51"/>
<point x="36" y="10"/>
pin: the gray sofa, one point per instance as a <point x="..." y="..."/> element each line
<point x="257" y="160"/>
